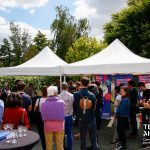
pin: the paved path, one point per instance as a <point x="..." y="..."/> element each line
<point x="105" y="135"/>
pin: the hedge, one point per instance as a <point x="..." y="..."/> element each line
<point x="37" y="81"/>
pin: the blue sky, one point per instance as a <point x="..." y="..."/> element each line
<point x="38" y="14"/>
<point x="42" y="17"/>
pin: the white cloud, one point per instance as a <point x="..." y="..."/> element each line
<point x="25" y="4"/>
<point x="4" y="26"/>
<point x="5" y="10"/>
<point x="98" y="12"/>
<point x="5" y="33"/>
<point x="82" y="10"/>
<point x="32" y="11"/>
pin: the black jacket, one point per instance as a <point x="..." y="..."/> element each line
<point x="133" y="98"/>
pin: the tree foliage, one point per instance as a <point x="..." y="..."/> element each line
<point x="82" y="48"/>
<point x="66" y="30"/>
<point x="20" y="40"/>
<point x="132" y="27"/>
<point x="6" y="54"/>
<point x="40" y="41"/>
<point x="30" y="53"/>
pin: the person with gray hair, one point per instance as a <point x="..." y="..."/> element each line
<point x="68" y="99"/>
<point x="53" y="114"/>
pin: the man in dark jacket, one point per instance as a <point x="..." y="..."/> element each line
<point x="87" y="121"/>
<point x="133" y="106"/>
<point x="99" y="103"/>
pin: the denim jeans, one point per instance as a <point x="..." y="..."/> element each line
<point x="68" y="131"/>
<point x="91" y="128"/>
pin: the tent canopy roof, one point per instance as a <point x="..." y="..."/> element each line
<point x="46" y="58"/>
<point x="115" y="53"/>
<point x="115" y="58"/>
<point x="46" y="63"/>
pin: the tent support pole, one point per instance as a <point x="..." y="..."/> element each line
<point x="64" y="78"/>
<point x="60" y="82"/>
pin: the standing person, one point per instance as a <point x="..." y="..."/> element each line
<point x="31" y="91"/>
<point x="68" y="99"/>
<point x="1" y="107"/>
<point x="99" y="103"/>
<point x="84" y="102"/>
<point x="15" y="89"/>
<point x="122" y="116"/>
<point x="3" y="95"/>
<point x="71" y="87"/>
<point x="39" y="122"/>
<point x="14" y="113"/>
<point x="116" y="104"/>
<point x="99" y="87"/>
<point x="78" y="86"/>
<point x="76" y="122"/>
<point x="53" y="114"/>
<point x="7" y="89"/>
<point x="146" y="110"/>
<point x="133" y="107"/>
<point x="57" y="83"/>
<point x="26" y="99"/>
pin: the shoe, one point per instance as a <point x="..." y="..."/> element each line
<point x="120" y="147"/>
<point x="145" y="146"/>
<point x="118" y="144"/>
<point x="113" y="141"/>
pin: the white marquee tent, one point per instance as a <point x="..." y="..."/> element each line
<point x="46" y="63"/>
<point x="114" y="59"/>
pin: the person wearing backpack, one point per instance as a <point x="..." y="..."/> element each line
<point x="84" y="103"/>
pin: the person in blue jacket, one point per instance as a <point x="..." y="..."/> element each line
<point x="122" y="115"/>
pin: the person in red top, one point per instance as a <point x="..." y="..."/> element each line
<point x="14" y="113"/>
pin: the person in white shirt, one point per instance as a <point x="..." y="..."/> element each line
<point x="39" y="122"/>
<point x="1" y="107"/>
<point x="68" y="99"/>
<point x="116" y="104"/>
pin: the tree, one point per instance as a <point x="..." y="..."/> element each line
<point x="66" y="30"/>
<point x="30" y="53"/>
<point x="20" y="40"/>
<point x="82" y="48"/>
<point x="40" y="41"/>
<point x="6" y="54"/>
<point x="132" y="26"/>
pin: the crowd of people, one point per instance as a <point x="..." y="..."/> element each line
<point x="77" y="104"/>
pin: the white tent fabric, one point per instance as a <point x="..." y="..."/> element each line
<point x="114" y="59"/>
<point x="46" y="63"/>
